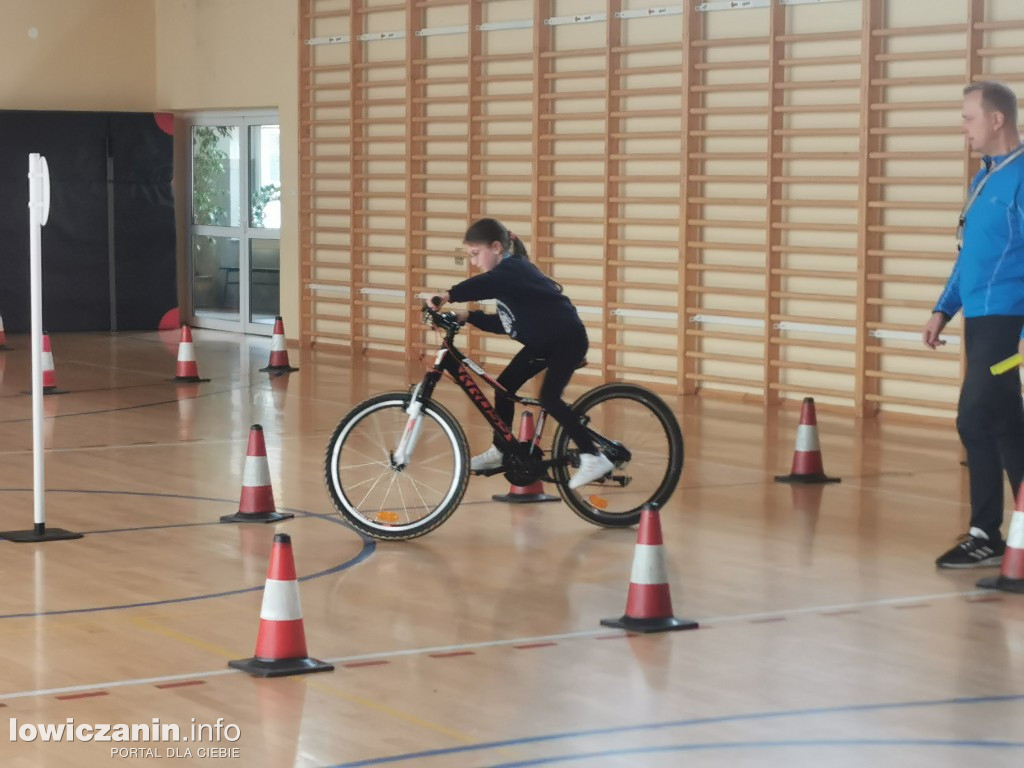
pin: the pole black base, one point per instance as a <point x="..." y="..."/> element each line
<point x="281" y="667"/>
<point x="816" y="479"/>
<point x="39" y="533"/>
<point x="256" y="517"/>
<point x="1002" y="583"/>
<point x="647" y="626"/>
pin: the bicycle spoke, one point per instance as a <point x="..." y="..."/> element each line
<point x="367" y="464"/>
<point x="417" y="484"/>
<point x="363" y="482"/>
<point x="363" y="500"/>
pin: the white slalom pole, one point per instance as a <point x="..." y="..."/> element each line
<point x="38" y="214"/>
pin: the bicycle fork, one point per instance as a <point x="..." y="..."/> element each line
<point x="411" y="434"/>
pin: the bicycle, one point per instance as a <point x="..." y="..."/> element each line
<point x="397" y="465"/>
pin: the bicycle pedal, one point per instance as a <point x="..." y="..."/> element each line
<point x="487" y="472"/>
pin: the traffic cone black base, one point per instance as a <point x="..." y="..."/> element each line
<point x="998" y="582"/>
<point x="648" y="626"/>
<point x="816" y="479"/>
<point x="256" y="517"/>
<point x="280" y="667"/>
<point x="525" y="498"/>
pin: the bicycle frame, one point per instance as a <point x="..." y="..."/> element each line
<point x="449" y="359"/>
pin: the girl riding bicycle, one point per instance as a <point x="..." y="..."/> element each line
<point x="532" y="310"/>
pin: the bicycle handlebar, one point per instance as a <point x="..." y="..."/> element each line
<point x="445" y="321"/>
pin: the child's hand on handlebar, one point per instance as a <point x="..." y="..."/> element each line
<point x="439" y="299"/>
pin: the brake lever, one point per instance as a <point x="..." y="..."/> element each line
<point x="428" y="315"/>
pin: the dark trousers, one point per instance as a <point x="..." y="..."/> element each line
<point x="990" y="418"/>
<point x="560" y="359"/>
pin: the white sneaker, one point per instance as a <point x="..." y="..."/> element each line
<point x="593" y="466"/>
<point x="492" y="458"/>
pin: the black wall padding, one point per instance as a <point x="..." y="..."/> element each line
<point x="76" y="279"/>
<point x="74" y="242"/>
<point x="144" y="227"/>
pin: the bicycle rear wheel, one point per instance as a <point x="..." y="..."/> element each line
<point x="389" y="502"/>
<point x="638" y="431"/>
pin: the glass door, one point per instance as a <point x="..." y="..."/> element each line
<point x="264" y="223"/>
<point x="234" y="237"/>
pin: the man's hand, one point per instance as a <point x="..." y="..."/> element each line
<point x="462" y="315"/>
<point x="932" y="334"/>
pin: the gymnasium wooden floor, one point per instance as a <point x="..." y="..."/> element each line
<point x="827" y="636"/>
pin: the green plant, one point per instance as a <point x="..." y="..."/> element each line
<point x="259" y="199"/>
<point x="209" y="162"/>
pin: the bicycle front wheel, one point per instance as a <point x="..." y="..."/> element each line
<point x="638" y="431"/>
<point x="381" y="499"/>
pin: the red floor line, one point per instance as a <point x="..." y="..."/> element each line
<point x="89" y="695"/>
<point x="182" y="684"/>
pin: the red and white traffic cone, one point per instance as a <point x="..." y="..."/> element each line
<point x="257" y="502"/>
<point x="534" y="492"/>
<point x="49" y="373"/>
<point x="807" y="463"/>
<point x="281" y="640"/>
<point x="278" y="351"/>
<point x="649" y="604"/>
<point x="187" y="369"/>
<point x="1011" y="574"/>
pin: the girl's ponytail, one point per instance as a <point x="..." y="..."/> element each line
<point x="516" y="247"/>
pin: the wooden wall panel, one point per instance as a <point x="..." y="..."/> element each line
<point x="748" y="199"/>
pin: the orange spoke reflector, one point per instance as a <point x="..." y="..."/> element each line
<point x="387" y="517"/>
<point x="598" y="502"/>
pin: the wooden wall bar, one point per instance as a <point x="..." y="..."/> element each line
<point x="755" y="202"/>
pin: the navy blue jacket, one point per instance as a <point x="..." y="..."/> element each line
<point x="531" y="306"/>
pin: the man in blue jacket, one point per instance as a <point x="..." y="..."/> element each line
<point x="988" y="284"/>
